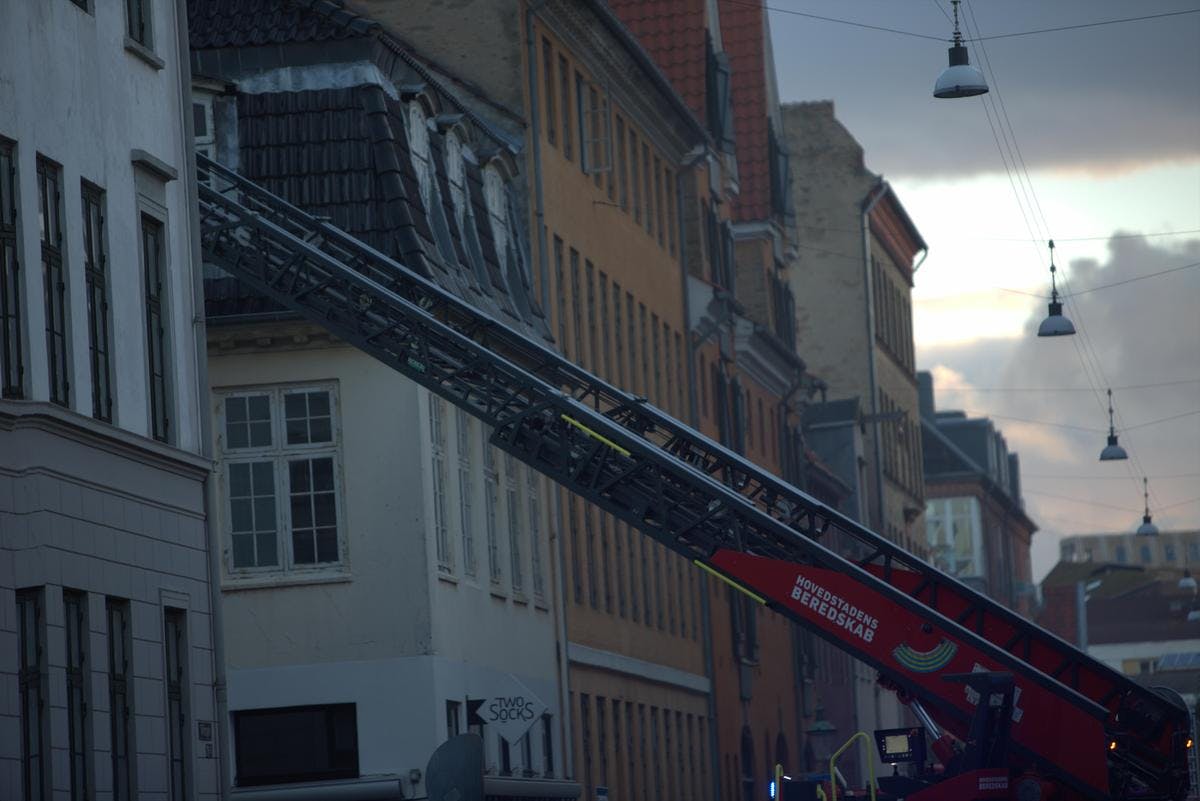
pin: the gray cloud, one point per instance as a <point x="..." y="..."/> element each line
<point x="1105" y="98"/>
<point x="1141" y="333"/>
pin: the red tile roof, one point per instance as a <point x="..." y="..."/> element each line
<point x="672" y="32"/>
<point x="742" y="32"/>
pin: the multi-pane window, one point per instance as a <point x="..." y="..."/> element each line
<point x="659" y="201"/>
<point x="547" y="745"/>
<point x="576" y="309"/>
<point x="437" y="447"/>
<point x="466" y="489"/>
<point x="202" y="125"/>
<point x="604" y="334"/>
<point x="672" y="220"/>
<point x="605" y="563"/>
<point x="418" y="149"/>
<point x="618" y="371"/>
<point x="560" y="283"/>
<point x="153" y="258"/>
<point x="644" y="341"/>
<point x="78" y="678"/>
<point x="548" y="79"/>
<point x="595" y="142"/>
<point x="495" y="200"/>
<point x="576" y="554"/>
<point x="513" y="504"/>
<point x="954" y="534"/>
<point x="176" y="652"/>
<point x="280" y="448"/>
<point x="585" y="730"/>
<point x="564" y="83"/>
<point x="622" y="170"/>
<point x="491" y="502"/>
<point x="602" y="740"/>
<point x="679" y="369"/>
<point x="593" y="338"/>
<point x="634" y="181"/>
<point x="589" y="533"/>
<point x="54" y="279"/>
<point x="12" y="367"/>
<point x="31" y="678"/>
<point x="654" y="338"/>
<point x="456" y="176"/>
<point x="137" y="19"/>
<point x="584" y="156"/>
<point x="647" y="188"/>
<point x="535" y="534"/>
<point x="120" y="701"/>
<point x="95" y="265"/>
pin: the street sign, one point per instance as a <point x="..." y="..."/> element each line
<point x="510" y="709"/>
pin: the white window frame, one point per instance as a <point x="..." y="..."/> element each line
<point x="456" y="175"/>
<point x="417" y="120"/>
<point x="436" y="419"/>
<point x="533" y="488"/>
<point x="280" y="454"/>
<point x="463" y="430"/>
<point x="513" y="496"/>
<point x="491" y="509"/>
<point x="205" y="144"/>
<point x="940" y="511"/>
<point x="497" y="208"/>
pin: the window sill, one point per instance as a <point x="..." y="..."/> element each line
<point x="498" y="592"/>
<point x="266" y="582"/>
<point x="144" y="53"/>
<point x="520" y="598"/>
<point x="449" y="578"/>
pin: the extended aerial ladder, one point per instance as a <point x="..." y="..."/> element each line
<point x="1078" y="728"/>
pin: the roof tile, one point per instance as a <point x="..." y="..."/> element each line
<point x="673" y="33"/>
<point x="742" y="35"/>
<point x="245" y="23"/>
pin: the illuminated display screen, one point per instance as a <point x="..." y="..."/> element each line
<point x="896" y="744"/>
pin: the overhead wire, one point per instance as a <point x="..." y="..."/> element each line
<point x="1150" y="385"/>
<point x="918" y="35"/>
<point x="1027" y="200"/>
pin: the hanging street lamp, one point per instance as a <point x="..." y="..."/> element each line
<point x="1147" y="528"/>
<point x="1112" y="451"/>
<point x="960" y="79"/>
<point x="1055" y="324"/>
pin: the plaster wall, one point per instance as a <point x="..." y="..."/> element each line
<point x="74" y="92"/>
<point x="86" y="508"/>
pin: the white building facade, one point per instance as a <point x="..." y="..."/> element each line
<point x="107" y="663"/>
<point x="382" y="565"/>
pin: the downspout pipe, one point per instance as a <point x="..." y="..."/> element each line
<point x="877" y="193"/>
<point x="200" y="355"/>
<point x="560" y="605"/>
<point x="535" y="133"/>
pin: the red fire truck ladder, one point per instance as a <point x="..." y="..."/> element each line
<point x="1092" y="731"/>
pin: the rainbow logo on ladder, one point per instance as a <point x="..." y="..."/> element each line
<point x="935" y="658"/>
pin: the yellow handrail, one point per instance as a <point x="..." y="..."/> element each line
<point x="870" y="764"/>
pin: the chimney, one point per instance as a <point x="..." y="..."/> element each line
<point x="925" y="392"/>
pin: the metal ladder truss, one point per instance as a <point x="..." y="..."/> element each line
<point x="620" y="452"/>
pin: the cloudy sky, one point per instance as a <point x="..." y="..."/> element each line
<point x="1107" y="122"/>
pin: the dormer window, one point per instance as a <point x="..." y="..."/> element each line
<point x="456" y="175"/>
<point x="418" y="148"/>
<point x="497" y="208"/>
